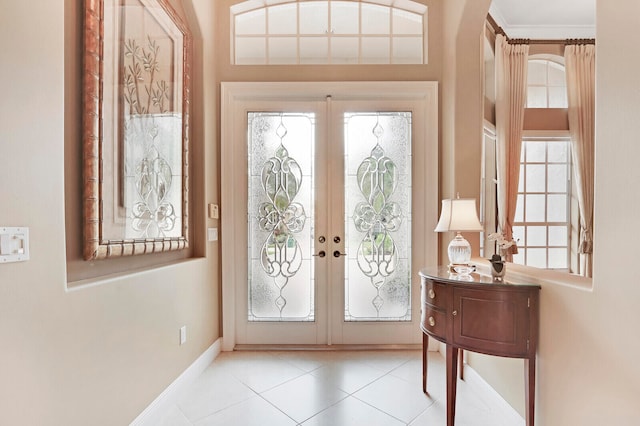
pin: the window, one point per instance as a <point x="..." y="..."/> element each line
<point x="546" y="84"/>
<point x="328" y="32"/>
<point x="542" y="219"/>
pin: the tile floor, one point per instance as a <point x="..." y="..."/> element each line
<point x="327" y="388"/>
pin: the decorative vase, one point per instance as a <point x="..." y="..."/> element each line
<point x="498" y="268"/>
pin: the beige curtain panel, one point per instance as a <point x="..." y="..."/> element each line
<point x="580" y="71"/>
<point x="511" y="89"/>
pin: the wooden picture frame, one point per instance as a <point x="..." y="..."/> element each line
<point x="136" y="99"/>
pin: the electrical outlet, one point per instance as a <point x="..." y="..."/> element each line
<point x="183" y="334"/>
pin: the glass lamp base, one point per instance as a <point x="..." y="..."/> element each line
<point x="459" y="251"/>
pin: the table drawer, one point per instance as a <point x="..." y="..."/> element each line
<point x="433" y="321"/>
<point x="435" y="294"/>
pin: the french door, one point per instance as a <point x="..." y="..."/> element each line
<point x="338" y="186"/>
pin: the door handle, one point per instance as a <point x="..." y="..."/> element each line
<point x="338" y="254"/>
<point x="321" y="253"/>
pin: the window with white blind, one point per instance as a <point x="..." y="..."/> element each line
<point x="328" y="32"/>
<point x="542" y="222"/>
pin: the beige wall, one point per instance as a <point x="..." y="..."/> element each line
<point x="462" y="105"/>
<point x="97" y="355"/>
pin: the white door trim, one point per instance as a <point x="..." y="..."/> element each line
<point x="232" y="226"/>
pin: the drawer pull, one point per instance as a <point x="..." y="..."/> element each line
<point x="432" y="294"/>
<point x="432" y="322"/>
<point x="455" y="313"/>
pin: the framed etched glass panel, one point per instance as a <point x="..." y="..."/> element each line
<point x="281" y="212"/>
<point x="378" y="216"/>
<point x="136" y="124"/>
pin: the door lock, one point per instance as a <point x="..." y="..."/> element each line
<point x="336" y="239"/>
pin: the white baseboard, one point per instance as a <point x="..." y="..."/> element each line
<point x="170" y="395"/>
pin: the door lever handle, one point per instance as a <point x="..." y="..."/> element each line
<point x="338" y="254"/>
<point x="321" y="253"/>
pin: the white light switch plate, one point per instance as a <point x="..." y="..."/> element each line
<point x="212" y="234"/>
<point x="14" y="244"/>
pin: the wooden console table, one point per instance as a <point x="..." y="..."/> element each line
<point x="480" y="315"/>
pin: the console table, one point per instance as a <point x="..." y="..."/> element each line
<point x="478" y="314"/>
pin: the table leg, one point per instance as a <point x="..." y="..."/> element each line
<point x="530" y="389"/>
<point x="452" y="378"/>
<point x="425" y="348"/>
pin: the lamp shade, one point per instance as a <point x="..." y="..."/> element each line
<point x="459" y="215"/>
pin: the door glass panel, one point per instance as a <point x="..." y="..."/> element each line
<point x="378" y="216"/>
<point x="280" y="210"/>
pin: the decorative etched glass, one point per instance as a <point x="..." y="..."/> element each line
<point x="281" y="282"/>
<point x="378" y="222"/>
<point x="152" y="159"/>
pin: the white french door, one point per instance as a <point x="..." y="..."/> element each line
<point x="338" y="186"/>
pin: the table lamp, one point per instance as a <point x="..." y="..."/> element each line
<point x="459" y="215"/>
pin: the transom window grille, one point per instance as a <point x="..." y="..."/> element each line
<point x="328" y="32"/>
<point x="542" y="220"/>
<point x="546" y="84"/>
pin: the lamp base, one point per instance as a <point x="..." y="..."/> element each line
<point x="459" y="251"/>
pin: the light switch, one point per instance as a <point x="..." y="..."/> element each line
<point x="214" y="211"/>
<point x="14" y="244"/>
<point x="212" y="234"/>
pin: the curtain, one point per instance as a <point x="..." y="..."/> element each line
<point x="580" y="72"/>
<point x="511" y="87"/>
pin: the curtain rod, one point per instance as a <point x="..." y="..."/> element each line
<point x="497" y="29"/>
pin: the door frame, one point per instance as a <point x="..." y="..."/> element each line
<point x="233" y="93"/>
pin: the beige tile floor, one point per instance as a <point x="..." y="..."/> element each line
<point x="328" y="388"/>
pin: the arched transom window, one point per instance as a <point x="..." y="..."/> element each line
<point x="546" y="84"/>
<point x="328" y="32"/>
